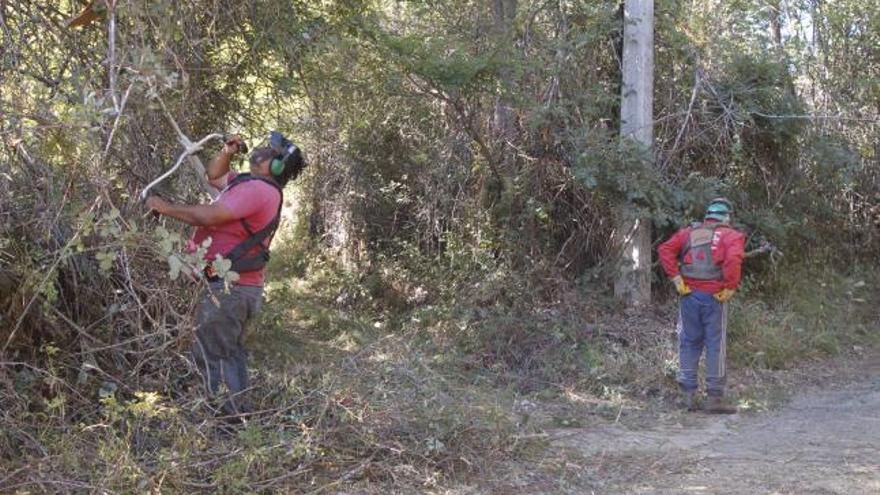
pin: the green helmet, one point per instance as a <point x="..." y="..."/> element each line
<point x="719" y="209"/>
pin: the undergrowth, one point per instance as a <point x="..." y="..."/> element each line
<point x="810" y="313"/>
<point x="409" y="375"/>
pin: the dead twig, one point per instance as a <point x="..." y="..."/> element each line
<point x="687" y="117"/>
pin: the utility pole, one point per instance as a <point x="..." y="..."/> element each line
<point x="633" y="233"/>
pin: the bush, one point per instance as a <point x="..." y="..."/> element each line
<point x="805" y="315"/>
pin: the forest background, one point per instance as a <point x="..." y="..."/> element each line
<point x="449" y="254"/>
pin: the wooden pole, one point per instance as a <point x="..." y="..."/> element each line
<point x="633" y="233"/>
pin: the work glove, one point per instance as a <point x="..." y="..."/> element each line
<point x="680" y="286"/>
<point x="724" y="295"/>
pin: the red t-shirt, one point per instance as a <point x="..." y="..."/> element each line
<point x="728" y="247"/>
<point x="257" y="203"/>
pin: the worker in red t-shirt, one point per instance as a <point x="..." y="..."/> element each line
<point x="240" y="223"/>
<point x="704" y="261"/>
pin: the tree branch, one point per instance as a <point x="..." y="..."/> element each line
<point x="194" y="161"/>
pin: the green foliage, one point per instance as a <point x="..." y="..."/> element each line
<point x="448" y="65"/>
<point x="829" y="314"/>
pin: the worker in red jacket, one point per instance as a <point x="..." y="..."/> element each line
<point x="704" y="261"/>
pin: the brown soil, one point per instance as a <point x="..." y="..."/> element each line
<point x="820" y="435"/>
<point x="825" y="440"/>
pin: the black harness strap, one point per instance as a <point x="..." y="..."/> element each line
<point x="238" y="255"/>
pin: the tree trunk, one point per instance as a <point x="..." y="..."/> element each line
<point x="775" y="24"/>
<point x="504" y="14"/>
<point x="632" y="233"/>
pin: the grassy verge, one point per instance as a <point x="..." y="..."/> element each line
<point x="811" y="314"/>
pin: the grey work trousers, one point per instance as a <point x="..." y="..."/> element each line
<point x="218" y="349"/>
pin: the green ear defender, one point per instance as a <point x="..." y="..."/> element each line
<point x="277" y="166"/>
<point x="283" y="149"/>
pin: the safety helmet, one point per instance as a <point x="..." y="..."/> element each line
<point x="719" y="209"/>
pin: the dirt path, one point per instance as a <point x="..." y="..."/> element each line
<point x="826" y="440"/>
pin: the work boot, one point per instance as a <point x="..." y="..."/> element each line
<point x="689" y="400"/>
<point x="715" y="404"/>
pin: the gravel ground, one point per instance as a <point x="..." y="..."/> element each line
<point x="825" y="440"/>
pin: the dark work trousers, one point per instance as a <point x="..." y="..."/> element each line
<point x="702" y="323"/>
<point x="219" y="350"/>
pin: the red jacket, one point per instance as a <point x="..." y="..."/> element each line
<point x="728" y="247"/>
